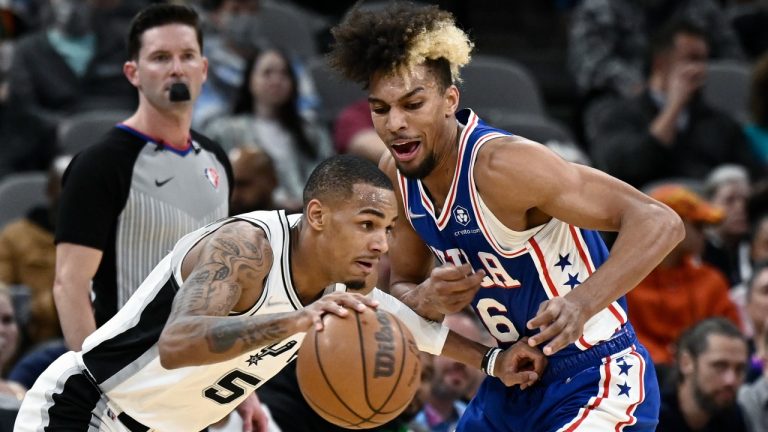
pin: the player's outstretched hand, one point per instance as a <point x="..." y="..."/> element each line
<point x="337" y="303"/>
<point x="450" y="288"/>
<point x="520" y="364"/>
<point x="560" y="321"/>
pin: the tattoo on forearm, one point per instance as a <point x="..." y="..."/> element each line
<point x="253" y="332"/>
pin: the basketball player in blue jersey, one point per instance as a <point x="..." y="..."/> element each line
<point x="513" y="225"/>
<point x="228" y="307"/>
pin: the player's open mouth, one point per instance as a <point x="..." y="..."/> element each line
<point x="366" y="265"/>
<point x="406" y="150"/>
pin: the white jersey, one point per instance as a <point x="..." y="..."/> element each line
<point x="118" y="380"/>
<point x="123" y="359"/>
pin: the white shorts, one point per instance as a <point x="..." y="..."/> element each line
<point x="63" y="399"/>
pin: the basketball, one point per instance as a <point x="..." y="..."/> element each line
<point x="360" y="371"/>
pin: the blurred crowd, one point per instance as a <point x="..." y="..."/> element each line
<point x="670" y="96"/>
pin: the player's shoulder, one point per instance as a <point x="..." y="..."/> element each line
<point x="387" y="164"/>
<point x="239" y="229"/>
<point x="510" y="153"/>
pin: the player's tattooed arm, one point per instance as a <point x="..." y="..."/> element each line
<point x="232" y="263"/>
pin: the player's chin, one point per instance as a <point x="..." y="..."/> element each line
<point x="355" y="284"/>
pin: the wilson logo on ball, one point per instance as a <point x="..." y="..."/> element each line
<point x="384" y="366"/>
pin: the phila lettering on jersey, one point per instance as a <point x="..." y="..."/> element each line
<point x="523" y="268"/>
<point x="122" y="356"/>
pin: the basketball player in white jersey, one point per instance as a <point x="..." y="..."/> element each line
<point x="228" y="308"/>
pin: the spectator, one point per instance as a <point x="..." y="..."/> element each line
<point x="64" y="69"/>
<point x="453" y="383"/>
<point x="727" y="247"/>
<point x="756" y="307"/>
<point x="681" y="291"/>
<point x="228" y="31"/>
<point x="609" y="38"/>
<point x="758" y="249"/>
<point x="711" y="360"/>
<point x="11" y="26"/>
<point x="255" y="180"/>
<point x="353" y="132"/>
<point x="757" y="129"/>
<point x="33" y="363"/>
<point x="28" y="258"/>
<point x="751" y="296"/>
<point x="753" y="398"/>
<point x="129" y="198"/>
<point x="266" y="115"/>
<point x="11" y="393"/>
<point x="668" y="130"/>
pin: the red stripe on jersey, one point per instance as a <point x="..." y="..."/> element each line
<point x="404" y="195"/>
<point x="540" y="256"/>
<point x="590" y="270"/>
<point x="475" y="199"/>
<point x="446" y="212"/>
<point x="580" y="248"/>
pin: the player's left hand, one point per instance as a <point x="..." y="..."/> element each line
<point x="560" y="321"/>
<point x="253" y="415"/>
<point x="520" y="364"/>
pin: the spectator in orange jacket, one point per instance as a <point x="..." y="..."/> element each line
<point x="682" y="290"/>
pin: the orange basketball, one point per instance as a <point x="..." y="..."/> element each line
<point x="360" y="371"/>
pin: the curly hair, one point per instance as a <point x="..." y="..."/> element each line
<point x="397" y="39"/>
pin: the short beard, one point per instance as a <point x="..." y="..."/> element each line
<point x="355" y="285"/>
<point x="421" y="171"/>
<point x="706" y="402"/>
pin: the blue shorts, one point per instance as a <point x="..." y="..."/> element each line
<point x="610" y="387"/>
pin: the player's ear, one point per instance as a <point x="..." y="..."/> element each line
<point x="451" y="100"/>
<point x="315" y="214"/>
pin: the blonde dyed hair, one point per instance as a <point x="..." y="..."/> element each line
<point x="398" y="39"/>
<point x="446" y="41"/>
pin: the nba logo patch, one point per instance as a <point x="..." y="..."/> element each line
<point x="461" y="215"/>
<point x="212" y="176"/>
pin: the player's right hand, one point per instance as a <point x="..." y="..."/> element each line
<point x="337" y="303"/>
<point x="450" y="288"/>
<point x="520" y="364"/>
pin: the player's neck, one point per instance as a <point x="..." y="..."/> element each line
<point x="439" y="181"/>
<point x="306" y="278"/>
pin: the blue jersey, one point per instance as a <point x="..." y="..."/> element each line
<point x="524" y="269"/>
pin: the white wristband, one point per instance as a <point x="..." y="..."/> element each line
<point x="488" y="365"/>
